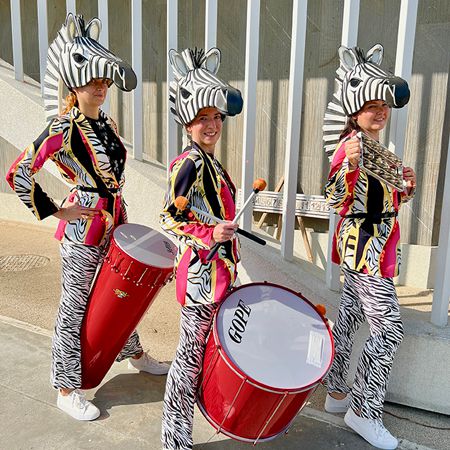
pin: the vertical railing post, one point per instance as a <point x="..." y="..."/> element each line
<point x="251" y="80"/>
<point x="136" y="57"/>
<point x="210" y="24"/>
<point x="71" y="6"/>
<point x="172" y="42"/>
<point x="16" y="29"/>
<point x="103" y="15"/>
<point x="403" y="69"/>
<point x="441" y="295"/>
<point x="295" y="99"/>
<point x="349" y="39"/>
<point x="43" y="39"/>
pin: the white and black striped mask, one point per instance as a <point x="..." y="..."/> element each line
<point x="196" y="85"/>
<point x="365" y="80"/>
<point x="76" y="57"/>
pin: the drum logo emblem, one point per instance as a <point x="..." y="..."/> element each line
<point x="120" y="294"/>
<point x="239" y="322"/>
<point x="168" y="247"/>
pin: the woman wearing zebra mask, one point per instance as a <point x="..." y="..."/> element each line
<point x="86" y="147"/>
<point x="200" y="101"/>
<point x="365" y="242"/>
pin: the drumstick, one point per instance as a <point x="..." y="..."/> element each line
<point x="182" y="203"/>
<point x="258" y="185"/>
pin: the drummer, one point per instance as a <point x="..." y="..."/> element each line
<point x="85" y="145"/>
<point x="197" y="175"/>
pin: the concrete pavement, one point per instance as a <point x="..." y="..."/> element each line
<point x="130" y="405"/>
<point x="130" y="402"/>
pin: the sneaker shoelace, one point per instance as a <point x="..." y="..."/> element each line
<point x="380" y="429"/>
<point x="79" y="400"/>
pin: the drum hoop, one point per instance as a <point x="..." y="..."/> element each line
<point x="248" y="378"/>
<point x="237" y="437"/>
<point x="116" y="245"/>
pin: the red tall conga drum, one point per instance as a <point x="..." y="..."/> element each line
<point x="267" y="352"/>
<point x="138" y="264"/>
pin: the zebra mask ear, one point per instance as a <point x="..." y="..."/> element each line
<point x="71" y="27"/>
<point x="375" y="54"/>
<point x="212" y="60"/>
<point x="347" y="58"/>
<point x="93" y="28"/>
<point x="179" y="67"/>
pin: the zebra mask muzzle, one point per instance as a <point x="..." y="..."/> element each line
<point x="398" y="93"/>
<point x="124" y="77"/>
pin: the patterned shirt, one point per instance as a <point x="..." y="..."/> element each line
<point x="113" y="147"/>
<point x="199" y="177"/>
<point x="367" y="236"/>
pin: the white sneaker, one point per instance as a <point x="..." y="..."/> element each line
<point x="372" y="430"/>
<point x="76" y="405"/>
<point x="148" y="364"/>
<point x="333" y="405"/>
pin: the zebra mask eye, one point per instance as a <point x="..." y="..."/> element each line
<point x="354" y="82"/>
<point x="185" y="93"/>
<point x="79" y="58"/>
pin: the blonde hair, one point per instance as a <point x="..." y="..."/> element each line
<point x="70" y="101"/>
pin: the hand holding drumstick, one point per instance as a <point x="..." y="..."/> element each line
<point x="258" y="185"/>
<point x="224" y="230"/>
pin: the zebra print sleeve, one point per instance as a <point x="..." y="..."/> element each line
<point x="21" y="174"/>
<point x="182" y="224"/>
<point x="341" y="181"/>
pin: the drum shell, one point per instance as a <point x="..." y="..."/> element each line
<point x="256" y="405"/>
<point x="237" y="405"/>
<point x="122" y="292"/>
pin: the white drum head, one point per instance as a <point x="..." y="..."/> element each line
<point x="145" y="245"/>
<point x="274" y="336"/>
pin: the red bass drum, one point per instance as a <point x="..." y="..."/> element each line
<point x="267" y="352"/>
<point x="138" y="264"/>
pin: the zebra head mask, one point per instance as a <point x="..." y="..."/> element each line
<point x="76" y="57"/>
<point x="196" y="85"/>
<point x="360" y="79"/>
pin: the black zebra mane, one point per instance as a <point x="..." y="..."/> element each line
<point x="197" y="56"/>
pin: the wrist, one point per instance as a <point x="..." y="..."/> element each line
<point x="58" y="214"/>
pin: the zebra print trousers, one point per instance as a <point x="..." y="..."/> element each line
<point x="372" y="298"/>
<point x="79" y="264"/>
<point x="182" y="380"/>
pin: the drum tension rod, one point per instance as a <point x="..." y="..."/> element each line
<point x="126" y="272"/>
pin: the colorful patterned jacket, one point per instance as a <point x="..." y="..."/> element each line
<point x="200" y="178"/>
<point x="70" y="142"/>
<point x="368" y="243"/>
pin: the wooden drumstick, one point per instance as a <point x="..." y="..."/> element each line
<point x="258" y="185"/>
<point x="182" y="203"/>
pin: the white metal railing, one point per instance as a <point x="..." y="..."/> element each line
<point x="251" y="78"/>
<point x="403" y="67"/>
<point x="172" y="42"/>
<point x="16" y="29"/>
<point x="349" y="38"/>
<point x="136" y="60"/>
<point x="295" y="98"/>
